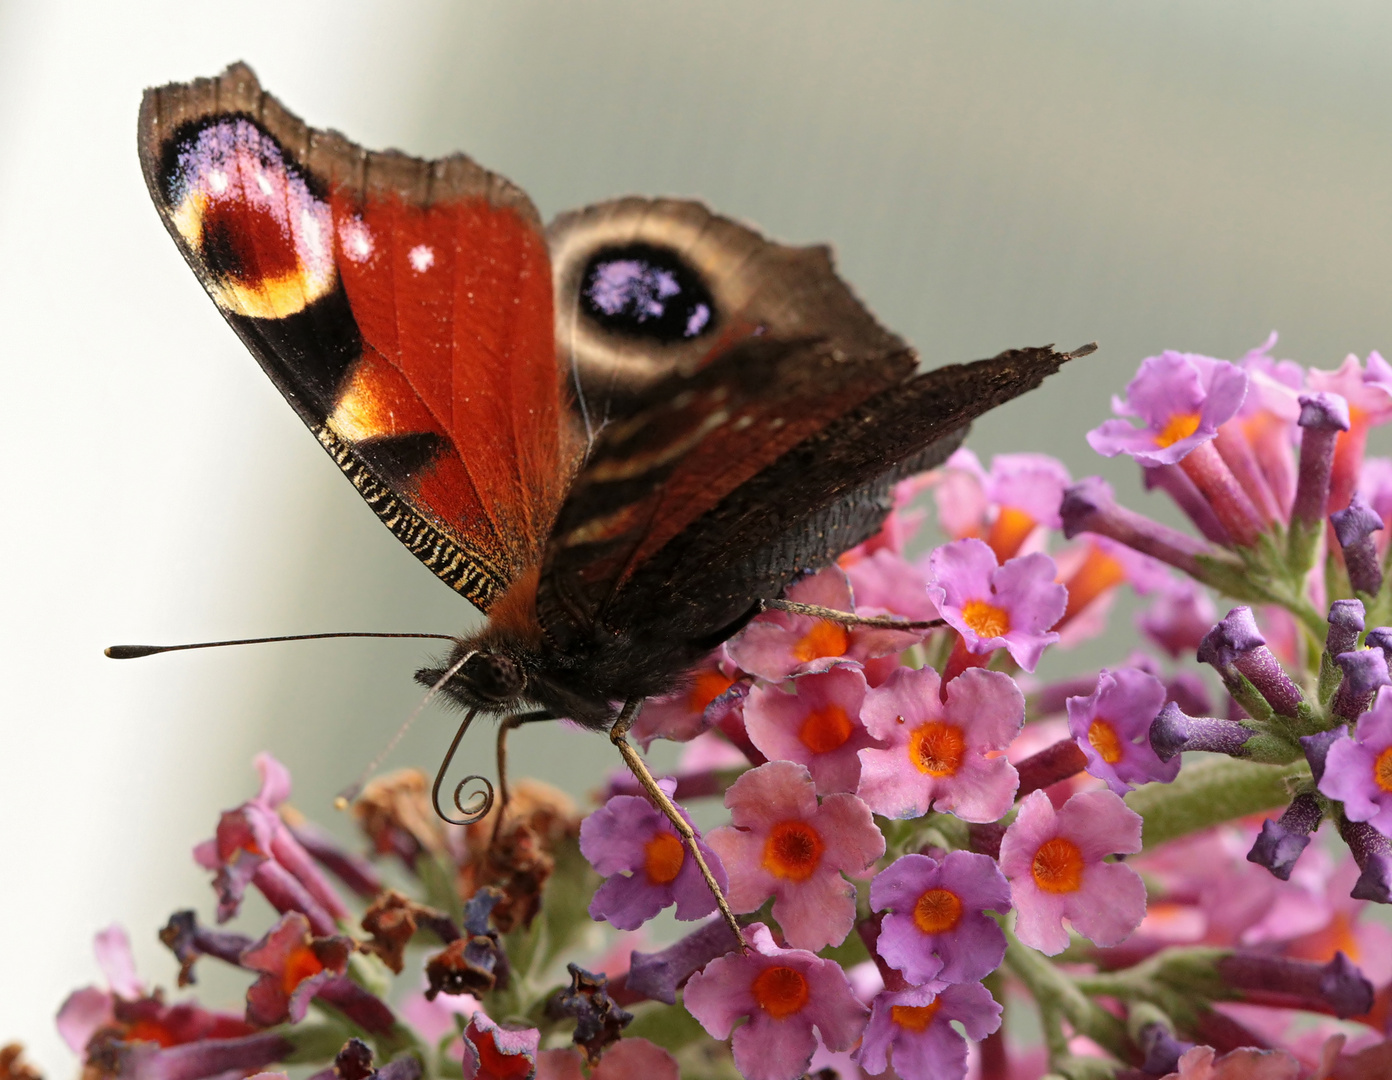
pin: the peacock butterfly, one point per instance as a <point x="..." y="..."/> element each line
<point x="620" y="436"/>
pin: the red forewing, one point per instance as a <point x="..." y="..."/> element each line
<point x="403" y="307"/>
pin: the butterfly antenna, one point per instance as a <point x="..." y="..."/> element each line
<point x="134" y="652"/>
<point x="618" y="735"/>
<point x="353" y="790"/>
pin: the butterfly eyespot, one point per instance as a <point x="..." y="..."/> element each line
<point x="645" y="291"/>
<point x="493" y="677"/>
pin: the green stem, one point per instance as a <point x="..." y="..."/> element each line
<point x="1057" y="993"/>
<point x="1211" y="792"/>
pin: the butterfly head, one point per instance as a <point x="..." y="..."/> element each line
<point x="479" y="678"/>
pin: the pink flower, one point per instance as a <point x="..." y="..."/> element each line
<point x="995" y="607"/>
<point x="627" y="1059"/>
<point x="294" y="967"/>
<point x="784" y="994"/>
<point x="937" y="927"/>
<point x="1006" y="507"/>
<point x="778" y="644"/>
<point x="1369" y="396"/>
<point x="713" y="690"/>
<point x="936" y="753"/>
<point x="1180" y="399"/>
<point x="1112" y="727"/>
<point x="817" y="725"/>
<point x="1054" y="860"/>
<point x="916" y="1025"/>
<point x="1202" y="1063"/>
<point x="1091" y="572"/>
<point x="885" y="583"/>
<point x="646" y="865"/>
<point x="1178" y="618"/>
<point x="1358" y="768"/>
<point x="782" y="844"/>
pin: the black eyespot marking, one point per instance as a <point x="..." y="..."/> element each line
<point x="645" y="291"/>
<point x="492" y="677"/>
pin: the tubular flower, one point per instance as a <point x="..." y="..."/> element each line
<point x="1054" y="860"/>
<point x="783" y="844"/>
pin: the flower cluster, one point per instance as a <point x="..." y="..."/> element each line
<point x="914" y="824"/>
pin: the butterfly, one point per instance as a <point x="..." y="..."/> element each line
<point x="620" y="436"/>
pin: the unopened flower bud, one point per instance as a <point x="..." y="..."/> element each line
<point x="1354" y="527"/>
<point x="1173" y="731"/>
<point x="1237" y="643"/>
<point x="1365" y="670"/>
<point x="1090" y="506"/>
<point x="1282" y="840"/>
<point x="1322" y="417"/>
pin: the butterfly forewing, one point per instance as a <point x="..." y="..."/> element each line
<point x="403" y="307"/>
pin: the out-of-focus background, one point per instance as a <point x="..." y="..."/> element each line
<point x="1151" y="174"/>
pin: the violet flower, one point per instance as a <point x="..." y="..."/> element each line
<point x="1174" y="731"/>
<point x="1358" y="769"/>
<point x="936" y="927"/>
<point x="1054" y="860"/>
<point x="1354" y="527"/>
<point x="1112" y="727"/>
<point x="1283" y="839"/>
<point x="783" y="994"/>
<point x="645" y="864"/>
<point x="1235" y="643"/>
<point x="1322" y="417"/>
<point x="936" y="753"/>
<point x="1178" y="618"/>
<point x="783" y="844"/>
<point x="1090" y="506"/>
<point x="914" y="1028"/>
<point x="1369" y="396"/>
<point x="993" y="607"/>
<point x="1365" y="672"/>
<point x="817" y="724"/>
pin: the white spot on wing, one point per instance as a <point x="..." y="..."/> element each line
<point x="217" y="181"/>
<point x="356" y="239"/>
<point x="422" y="258"/>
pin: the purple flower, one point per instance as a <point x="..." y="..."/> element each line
<point x="915" y="1025"/>
<point x="294" y="967"/>
<point x="1112" y="727"/>
<point x="1090" y="506"/>
<point x="1358" y="769"/>
<point x="1054" y="860"/>
<point x="782" y="844"/>
<point x="817" y="725"/>
<point x="1354" y="527"/>
<point x="253" y="846"/>
<point x="1180" y="399"/>
<point x="884" y="582"/>
<point x="646" y="865"/>
<point x="784" y="994"/>
<point x="936" y="927"/>
<point x="1178" y="619"/>
<point x="994" y="607"/>
<point x="778" y="644"/>
<point x="936" y="753"/>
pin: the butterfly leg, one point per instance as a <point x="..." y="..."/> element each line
<point x="846" y="618"/>
<point x="618" y="735"/>
<point x="508" y="724"/>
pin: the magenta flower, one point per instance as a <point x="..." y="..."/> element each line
<point x="627" y="1059"/>
<point x="784" y="994"/>
<point x="959" y="495"/>
<point x="1112" y="727"/>
<point x="936" y="927"/>
<point x="914" y="1026"/>
<point x="1026" y="490"/>
<point x="782" y="844"/>
<point x="817" y="724"/>
<point x="1180" y="399"/>
<point x="646" y="865"/>
<point x="778" y="644"/>
<point x="497" y="1053"/>
<point x="253" y="846"/>
<point x="1358" y="768"/>
<point x="885" y="583"/>
<point x="294" y="966"/>
<point x="1369" y="396"/>
<point x="993" y="607"/>
<point x="936" y="753"/>
<point x="1375" y="486"/>
<point x="712" y="691"/>
<point x="1054" y="862"/>
<point x="1244" y="1063"/>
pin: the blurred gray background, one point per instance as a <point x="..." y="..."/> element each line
<point x="991" y="174"/>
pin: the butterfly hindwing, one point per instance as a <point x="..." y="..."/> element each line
<point x="703" y="352"/>
<point x="403" y="307"/>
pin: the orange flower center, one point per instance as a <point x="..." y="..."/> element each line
<point x="793" y="850"/>
<point x="985" y="619"/>
<point x="936" y="748"/>
<point x="913" y="1017"/>
<point x="708" y="686"/>
<point x="825" y="730"/>
<point x="149" y="1031"/>
<point x="937" y="911"/>
<point x="1382" y="770"/>
<point x="1058" y="866"/>
<point x="780" y="991"/>
<point x="662" y="858"/>
<point x="1180" y="426"/>
<point x="824" y="639"/>
<point x="1010" y="529"/>
<point x="299" y="966"/>
<point x="1104" y="740"/>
